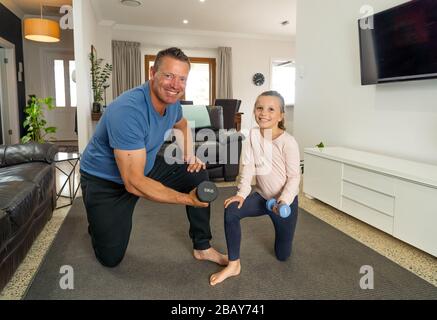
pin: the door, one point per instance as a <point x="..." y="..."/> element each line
<point x="9" y="118"/>
<point x="1" y="105"/>
<point x="4" y="119"/>
<point x="59" y="67"/>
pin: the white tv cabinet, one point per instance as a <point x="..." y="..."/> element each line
<point x="396" y="196"/>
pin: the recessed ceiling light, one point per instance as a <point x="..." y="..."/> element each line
<point x="131" y="3"/>
<point x="185" y="21"/>
<point x="202" y="0"/>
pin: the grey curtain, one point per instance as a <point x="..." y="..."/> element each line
<point x="126" y="60"/>
<point x="224" y="73"/>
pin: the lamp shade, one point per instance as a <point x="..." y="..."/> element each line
<point x="42" y="30"/>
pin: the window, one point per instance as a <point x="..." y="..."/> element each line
<point x="283" y="80"/>
<point x="65" y="87"/>
<point x="59" y="83"/>
<point x="201" y="80"/>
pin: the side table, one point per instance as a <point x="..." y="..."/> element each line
<point x="73" y="159"/>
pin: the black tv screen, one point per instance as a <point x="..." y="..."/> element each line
<point x="402" y="45"/>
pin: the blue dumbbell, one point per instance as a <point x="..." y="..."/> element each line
<point x="284" y="210"/>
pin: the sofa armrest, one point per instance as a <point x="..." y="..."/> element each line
<point x="29" y="152"/>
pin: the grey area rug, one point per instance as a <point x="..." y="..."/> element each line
<point x="325" y="263"/>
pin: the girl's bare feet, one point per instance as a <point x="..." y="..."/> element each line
<point x="211" y="254"/>
<point x="232" y="269"/>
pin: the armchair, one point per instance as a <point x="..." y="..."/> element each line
<point x="230" y="109"/>
<point x="220" y="149"/>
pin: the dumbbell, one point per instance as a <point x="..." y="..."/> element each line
<point x="284" y="210"/>
<point x="207" y="191"/>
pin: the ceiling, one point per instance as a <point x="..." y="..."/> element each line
<point x="33" y="7"/>
<point x="261" y="17"/>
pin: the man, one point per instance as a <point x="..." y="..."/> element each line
<point x="120" y="163"/>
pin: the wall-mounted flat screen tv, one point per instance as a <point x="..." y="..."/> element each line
<point x="402" y="45"/>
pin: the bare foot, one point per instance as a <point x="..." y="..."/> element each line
<point x="211" y="254"/>
<point x="231" y="270"/>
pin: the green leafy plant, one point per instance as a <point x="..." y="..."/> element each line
<point x="320" y="145"/>
<point x="35" y="124"/>
<point x="99" y="75"/>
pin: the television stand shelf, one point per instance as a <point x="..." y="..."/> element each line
<point x="394" y="195"/>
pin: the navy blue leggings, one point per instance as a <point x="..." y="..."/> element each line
<point x="255" y="206"/>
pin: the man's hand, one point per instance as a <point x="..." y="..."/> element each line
<point x="194" y="164"/>
<point x="196" y="201"/>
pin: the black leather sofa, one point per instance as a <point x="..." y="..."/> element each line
<point x="27" y="200"/>
<point x="220" y="149"/>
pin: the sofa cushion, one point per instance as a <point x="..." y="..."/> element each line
<point x="39" y="173"/>
<point x="22" y="188"/>
<point x="18" y="199"/>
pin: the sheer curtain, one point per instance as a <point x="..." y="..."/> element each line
<point x="224" y="73"/>
<point x="126" y="59"/>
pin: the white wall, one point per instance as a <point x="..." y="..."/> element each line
<point x="36" y="78"/>
<point x="33" y="55"/>
<point x="249" y="55"/>
<point x="104" y="50"/>
<point x="397" y="119"/>
<point x="85" y="34"/>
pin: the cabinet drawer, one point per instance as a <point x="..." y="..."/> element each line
<point x="369" y="179"/>
<point x="372" y="199"/>
<point x="368" y="215"/>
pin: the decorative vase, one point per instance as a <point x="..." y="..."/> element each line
<point x="97" y="107"/>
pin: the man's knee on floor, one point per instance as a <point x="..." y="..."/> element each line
<point x="109" y="260"/>
<point x="282" y="256"/>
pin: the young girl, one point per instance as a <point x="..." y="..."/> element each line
<point x="272" y="156"/>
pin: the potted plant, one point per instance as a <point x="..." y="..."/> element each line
<point x="320" y="146"/>
<point x="99" y="75"/>
<point x="35" y="124"/>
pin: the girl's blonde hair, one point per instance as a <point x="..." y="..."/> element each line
<point x="272" y="93"/>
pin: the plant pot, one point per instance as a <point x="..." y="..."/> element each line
<point x="97" y="107"/>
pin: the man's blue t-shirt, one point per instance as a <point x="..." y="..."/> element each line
<point x="129" y="123"/>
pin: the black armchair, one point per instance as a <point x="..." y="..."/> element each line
<point x="220" y="149"/>
<point x="230" y="109"/>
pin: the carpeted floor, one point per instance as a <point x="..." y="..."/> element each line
<point x="158" y="265"/>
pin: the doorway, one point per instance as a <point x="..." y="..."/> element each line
<point x="58" y="68"/>
<point x="1" y="101"/>
<point x="9" y="119"/>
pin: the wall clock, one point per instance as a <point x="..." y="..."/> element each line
<point x="258" y="79"/>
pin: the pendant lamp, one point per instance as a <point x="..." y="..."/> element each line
<point x="42" y="30"/>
